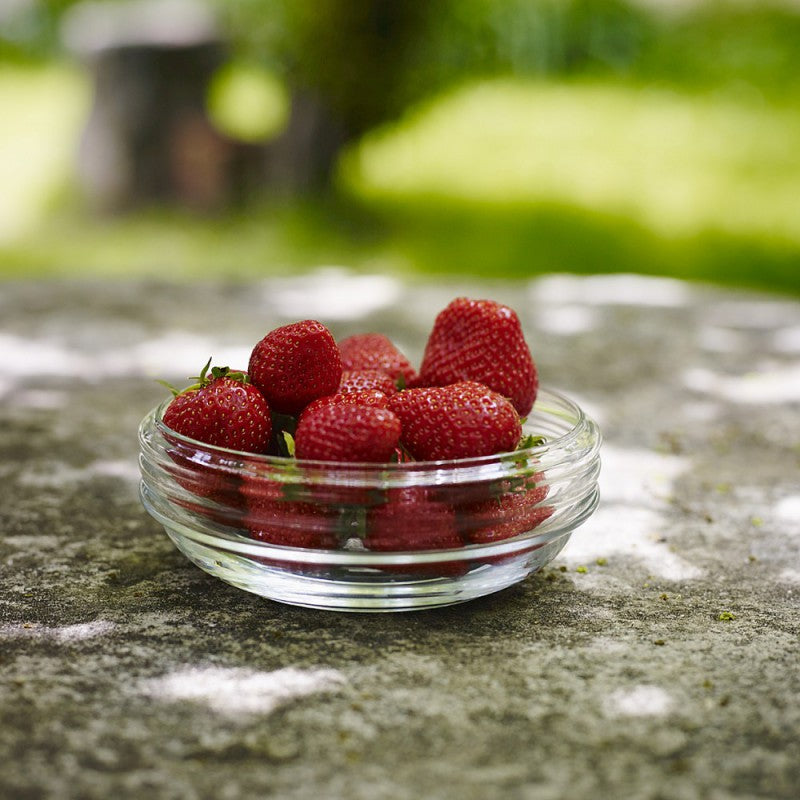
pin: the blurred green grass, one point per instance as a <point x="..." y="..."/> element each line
<point x="43" y="108"/>
<point x="697" y="177"/>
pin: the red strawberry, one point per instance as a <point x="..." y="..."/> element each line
<point x="408" y="520"/>
<point x="204" y="475"/>
<point x="224" y="410"/>
<point x="364" y="397"/>
<point x="376" y="351"/>
<point x="296" y="364"/>
<point x="481" y="340"/>
<point x="274" y="519"/>
<point x="464" y="420"/>
<point x="353" y="433"/>
<point x="359" y="380"/>
<point x="517" y="510"/>
<point x="293" y="524"/>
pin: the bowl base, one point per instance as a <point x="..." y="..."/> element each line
<point x="369" y="589"/>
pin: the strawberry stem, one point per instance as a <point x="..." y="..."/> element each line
<point x="203" y="379"/>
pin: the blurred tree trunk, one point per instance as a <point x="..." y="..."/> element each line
<point x="149" y="138"/>
<point x="345" y="63"/>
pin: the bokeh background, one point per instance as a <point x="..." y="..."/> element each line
<point x="491" y="138"/>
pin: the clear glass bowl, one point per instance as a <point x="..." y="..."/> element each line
<point x="366" y="537"/>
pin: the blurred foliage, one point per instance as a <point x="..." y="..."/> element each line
<point x="631" y="137"/>
<point x="247" y="102"/>
<point x="342" y="45"/>
<point x="676" y="163"/>
<point x="755" y="46"/>
<point x="373" y="59"/>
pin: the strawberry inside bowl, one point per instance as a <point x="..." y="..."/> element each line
<point x="375" y="536"/>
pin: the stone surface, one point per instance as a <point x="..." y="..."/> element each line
<point x="656" y="658"/>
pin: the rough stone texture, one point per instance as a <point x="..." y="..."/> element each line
<point x="656" y="658"/>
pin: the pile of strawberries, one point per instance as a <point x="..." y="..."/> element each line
<point x="360" y="400"/>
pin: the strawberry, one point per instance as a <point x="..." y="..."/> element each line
<point x="463" y="420"/>
<point x="343" y="432"/>
<point x="408" y="520"/>
<point x="363" y="397"/>
<point x="516" y="510"/>
<point x="202" y="474"/>
<point x="224" y="410"/>
<point x="376" y="351"/>
<point x="359" y="380"/>
<point x="273" y="518"/>
<point x="295" y="364"/>
<point x="481" y="340"/>
<point x="293" y="524"/>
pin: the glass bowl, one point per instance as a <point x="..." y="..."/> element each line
<point x="367" y="537"/>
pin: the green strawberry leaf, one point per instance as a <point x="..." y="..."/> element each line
<point x="227" y="372"/>
<point x="201" y="378"/>
<point x="286" y="442"/>
<point x="175" y="392"/>
<point x="530" y="440"/>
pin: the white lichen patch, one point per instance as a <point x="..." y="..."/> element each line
<point x="721" y="340"/>
<point x="637" y="476"/>
<point x="752" y="314"/>
<point x="568" y="319"/>
<point x="617" y="530"/>
<point x="173" y="353"/>
<point x="57" y="474"/>
<point x="635" y="490"/>
<point x="332" y="293"/>
<point x="788" y="509"/>
<point x="65" y="633"/>
<point x="38" y="398"/>
<point x="790" y="575"/>
<point x="787" y="340"/>
<point x="621" y="289"/>
<point x="241" y="691"/>
<point x="639" y="701"/>
<point x="41" y="357"/>
<point x="771" y="384"/>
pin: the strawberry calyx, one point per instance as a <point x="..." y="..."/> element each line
<point x="205" y="378"/>
<point x="529" y="440"/>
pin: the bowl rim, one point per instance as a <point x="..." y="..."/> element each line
<point x="548" y="400"/>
